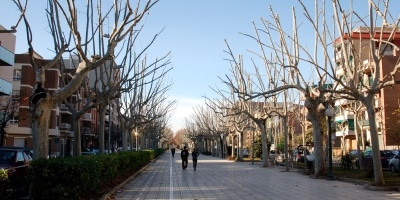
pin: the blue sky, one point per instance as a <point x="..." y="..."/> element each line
<point x="195" y="31"/>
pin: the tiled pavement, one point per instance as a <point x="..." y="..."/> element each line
<point x="216" y="178"/>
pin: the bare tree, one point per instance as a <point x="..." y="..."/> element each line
<point x="212" y="121"/>
<point x="8" y="110"/>
<point x="359" y="58"/>
<point x="285" y="59"/>
<point x="82" y="39"/>
<point x="143" y="99"/>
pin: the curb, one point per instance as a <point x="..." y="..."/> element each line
<point x="109" y="194"/>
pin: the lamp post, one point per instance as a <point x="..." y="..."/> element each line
<point x="136" y="135"/>
<point x="329" y="114"/>
<point x="109" y="127"/>
<point x="222" y="144"/>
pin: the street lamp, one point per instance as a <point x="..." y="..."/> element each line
<point x="329" y="114"/>
<point x="222" y="144"/>
<point x="109" y="127"/>
<point x="136" y="135"/>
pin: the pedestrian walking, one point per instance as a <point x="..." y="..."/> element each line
<point x="195" y="155"/>
<point x="173" y="151"/>
<point x="184" y="157"/>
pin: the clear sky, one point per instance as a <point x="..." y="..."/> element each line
<point x="195" y="31"/>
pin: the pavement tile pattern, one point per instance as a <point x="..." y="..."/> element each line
<point x="218" y="178"/>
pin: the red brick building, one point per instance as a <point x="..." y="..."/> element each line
<point x="386" y="101"/>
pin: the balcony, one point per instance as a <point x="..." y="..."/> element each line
<point x="338" y="57"/>
<point x="344" y="115"/>
<point x="386" y="50"/>
<point x="64" y="109"/>
<point x="6" y="57"/>
<point x="87" y="117"/>
<point x="367" y="66"/>
<point x="65" y="126"/>
<point x="345" y="132"/>
<point x="6" y="87"/>
<point x="339" y="72"/>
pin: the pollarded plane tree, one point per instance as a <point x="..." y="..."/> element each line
<point x="152" y="130"/>
<point x="363" y="69"/>
<point x="236" y="109"/>
<point x="232" y="122"/>
<point x="195" y="136"/>
<point x="144" y="99"/>
<point x="242" y="85"/>
<point x="139" y="86"/>
<point x="73" y="32"/>
<point x="216" y="124"/>
<point x="191" y="132"/>
<point x="284" y="56"/>
<point x="209" y="123"/>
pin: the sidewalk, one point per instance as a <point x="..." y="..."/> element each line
<point x="217" y="178"/>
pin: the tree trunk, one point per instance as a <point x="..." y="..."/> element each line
<point x="376" y="156"/>
<point x="265" y="153"/>
<point x="40" y="128"/>
<point x="356" y="133"/>
<point x="125" y="133"/>
<point x="240" y="146"/>
<point x="102" y="114"/>
<point x="222" y="146"/>
<point x="77" y="131"/>
<point x="286" y="142"/>
<point x="319" y="165"/>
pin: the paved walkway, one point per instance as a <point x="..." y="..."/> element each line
<point x="216" y="178"/>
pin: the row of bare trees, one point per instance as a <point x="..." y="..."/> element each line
<point x="276" y="75"/>
<point x="108" y="68"/>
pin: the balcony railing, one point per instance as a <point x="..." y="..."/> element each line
<point x="87" y="117"/>
<point x="65" y="126"/>
<point x="6" y="57"/>
<point x="345" y="132"/>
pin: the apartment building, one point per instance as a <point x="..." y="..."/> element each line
<point x="7" y="106"/>
<point x="7" y="49"/>
<point x="351" y="121"/>
<point x="18" y="131"/>
<point x="61" y="135"/>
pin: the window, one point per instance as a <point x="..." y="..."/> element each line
<point x="351" y="124"/>
<point x="16" y="94"/>
<point x="19" y="142"/>
<point x="20" y="157"/>
<point x="371" y="80"/>
<point x="14" y="118"/>
<point x="17" y="74"/>
<point x="385" y="49"/>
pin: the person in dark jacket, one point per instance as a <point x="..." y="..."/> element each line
<point x="173" y="151"/>
<point x="184" y="157"/>
<point x="195" y="155"/>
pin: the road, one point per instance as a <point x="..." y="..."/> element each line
<point x="217" y="178"/>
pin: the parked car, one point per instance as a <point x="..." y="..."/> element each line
<point x="272" y="155"/>
<point x="16" y="160"/>
<point x="86" y="153"/>
<point x="354" y="157"/>
<point x="246" y="153"/>
<point x="386" y="155"/>
<point x="394" y="164"/>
